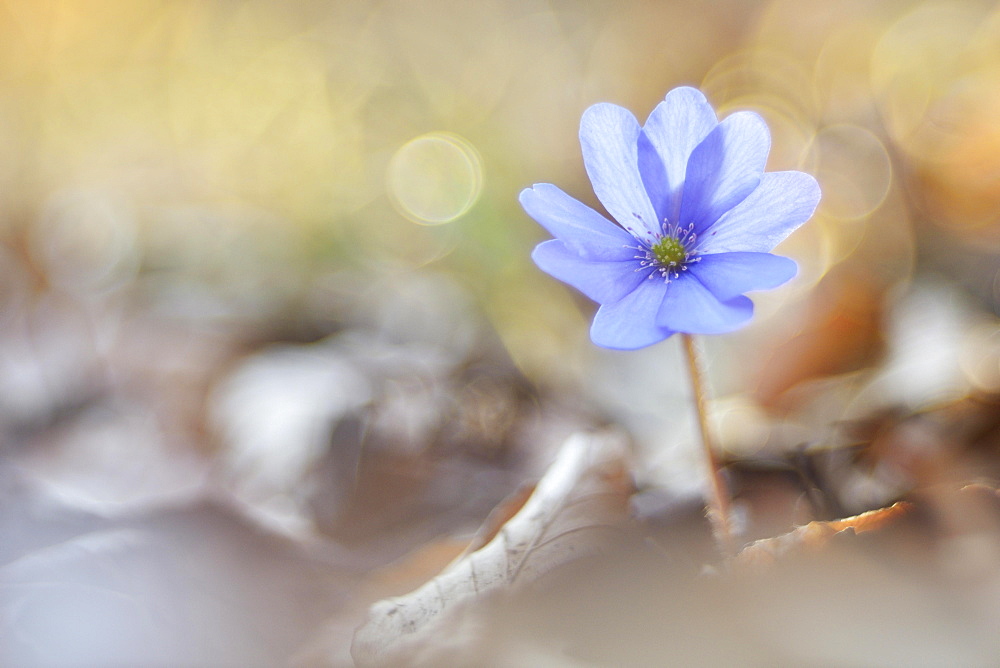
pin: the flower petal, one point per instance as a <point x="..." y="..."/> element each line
<point x="630" y="323"/>
<point x="586" y="232"/>
<point x="609" y="137"/>
<point x="674" y="129"/>
<point x="729" y="275"/>
<point x="603" y="282"/>
<point x="724" y="168"/>
<point x="779" y="205"/>
<point x="690" y="307"/>
<point x="654" y="177"/>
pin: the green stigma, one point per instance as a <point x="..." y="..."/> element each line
<point x="669" y="252"/>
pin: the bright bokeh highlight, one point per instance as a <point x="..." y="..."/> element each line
<point x="435" y="178"/>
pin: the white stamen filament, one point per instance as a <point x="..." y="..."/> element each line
<point x="685" y="236"/>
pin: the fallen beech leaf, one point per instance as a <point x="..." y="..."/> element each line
<point x="584" y="493"/>
<point x="765" y="552"/>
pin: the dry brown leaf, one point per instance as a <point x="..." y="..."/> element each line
<point x="765" y="552"/>
<point x="843" y="335"/>
<point x="583" y="494"/>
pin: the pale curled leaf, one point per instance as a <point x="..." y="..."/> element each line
<point x="584" y="493"/>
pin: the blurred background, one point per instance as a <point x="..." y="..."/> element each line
<point x="268" y="319"/>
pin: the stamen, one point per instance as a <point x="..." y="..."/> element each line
<point x="669" y="253"/>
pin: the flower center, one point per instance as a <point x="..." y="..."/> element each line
<point x="669" y="252"/>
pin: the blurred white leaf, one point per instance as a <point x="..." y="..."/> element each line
<point x="583" y="495"/>
<point x="193" y="585"/>
<point x="925" y="334"/>
<point x="275" y="414"/>
<point x="115" y="457"/>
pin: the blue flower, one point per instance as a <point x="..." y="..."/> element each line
<point x="697" y="215"/>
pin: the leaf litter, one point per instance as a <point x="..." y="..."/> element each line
<point x="379" y="499"/>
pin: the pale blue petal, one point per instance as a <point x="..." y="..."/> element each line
<point x="779" y="205"/>
<point x="630" y="323"/>
<point x="589" y="234"/>
<point x="601" y="281"/>
<point x="654" y="177"/>
<point x="688" y="306"/>
<point x="729" y="275"/>
<point x="609" y="138"/>
<point x="724" y="169"/>
<point x="674" y="129"/>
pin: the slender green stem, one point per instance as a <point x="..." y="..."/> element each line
<point x="718" y="501"/>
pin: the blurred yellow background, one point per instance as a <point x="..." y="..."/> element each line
<point x="249" y="148"/>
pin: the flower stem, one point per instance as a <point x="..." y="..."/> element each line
<point x="718" y="501"/>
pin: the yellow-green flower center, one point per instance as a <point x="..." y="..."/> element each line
<point x="669" y="252"/>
